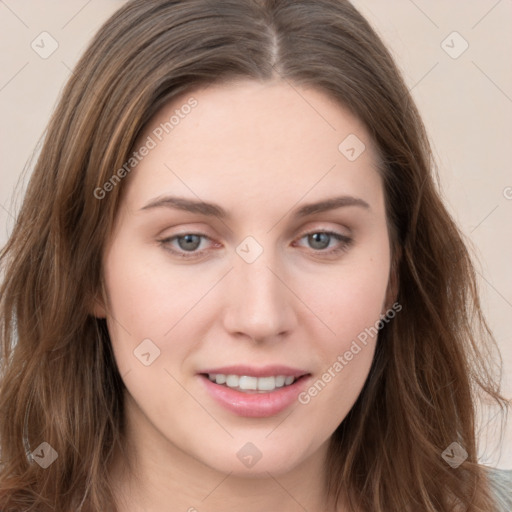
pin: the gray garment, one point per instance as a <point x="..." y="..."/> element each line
<point x="501" y="481"/>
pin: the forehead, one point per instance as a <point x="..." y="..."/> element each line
<point x="248" y="140"/>
<point x="252" y="113"/>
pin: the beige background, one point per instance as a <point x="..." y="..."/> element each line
<point x="465" y="100"/>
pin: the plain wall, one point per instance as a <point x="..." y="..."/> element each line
<point x="465" y="98"/>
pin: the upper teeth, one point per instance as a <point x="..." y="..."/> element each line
<point x="245" y="382"/>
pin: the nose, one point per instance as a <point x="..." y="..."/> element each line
<point x="260" y="302"/>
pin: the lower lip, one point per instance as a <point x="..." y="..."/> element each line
<point x="254" y="404"/>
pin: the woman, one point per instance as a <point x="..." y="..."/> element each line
<point x="232" y="283"/>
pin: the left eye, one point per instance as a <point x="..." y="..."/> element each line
<point x="189" y="243"/>
<point x="320" y="241"/>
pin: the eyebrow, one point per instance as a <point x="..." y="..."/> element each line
<point x="214" y="210"/>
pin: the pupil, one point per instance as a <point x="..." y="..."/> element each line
<point x="320" y="238"/>
<point x="191" y="242"/>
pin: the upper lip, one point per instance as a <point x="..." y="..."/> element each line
<point x="254" y="371"/>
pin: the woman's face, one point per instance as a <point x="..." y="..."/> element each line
<point x="222" y="289"/>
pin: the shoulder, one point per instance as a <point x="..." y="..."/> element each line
<point x="501" y="485"/>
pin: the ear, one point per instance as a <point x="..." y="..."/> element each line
<point x="394" y="280"/>
<point x="97" y="306"/>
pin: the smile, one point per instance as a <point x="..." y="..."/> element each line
<point x="248" y="383"/>
<point x="255" y="392"/>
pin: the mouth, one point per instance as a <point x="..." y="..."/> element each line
<point x="254" y="392"/>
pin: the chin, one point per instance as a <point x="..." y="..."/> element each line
<point x="256" y="460"/>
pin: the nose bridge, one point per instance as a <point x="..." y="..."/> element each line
<point x="259" y="303"/>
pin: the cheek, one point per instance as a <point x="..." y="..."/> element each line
<point x="351" y="305"/>
<point x="349" y="300"/>
<point x="147" y="301"/>
<point x="146" y="293"/>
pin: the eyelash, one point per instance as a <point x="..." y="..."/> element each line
<point x="345" y="241"/>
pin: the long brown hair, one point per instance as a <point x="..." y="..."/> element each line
<point x="59" y="381"/>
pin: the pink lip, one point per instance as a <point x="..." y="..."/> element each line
<point x="255" y="404"/>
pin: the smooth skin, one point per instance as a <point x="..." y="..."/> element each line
<point x="260" y="151"/>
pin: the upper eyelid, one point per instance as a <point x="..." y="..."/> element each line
<point x="303" y="233"/>
<point x="328" y="231"/>
<point x="203" y="231"/>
